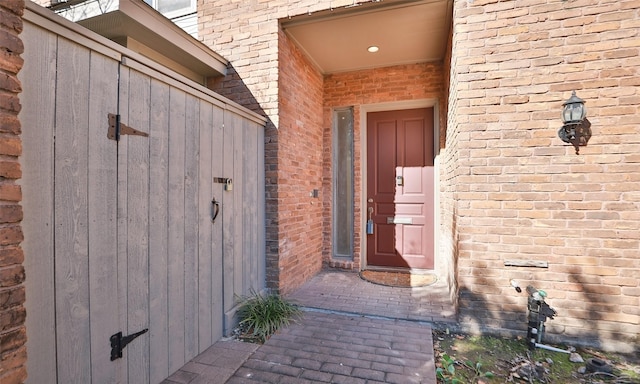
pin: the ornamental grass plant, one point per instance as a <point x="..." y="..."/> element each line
<point x="262" y="315"/>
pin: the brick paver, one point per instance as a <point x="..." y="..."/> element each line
<point x="352" y="331"/>
<point x="339" y="348"/>
<point x="347" y="292"/>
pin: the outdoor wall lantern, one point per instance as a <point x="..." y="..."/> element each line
<point x="574" y="131"/>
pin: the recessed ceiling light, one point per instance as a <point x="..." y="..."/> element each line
<point x="373" y="49"/>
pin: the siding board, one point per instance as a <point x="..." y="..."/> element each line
<point x="137" y="236"/>
<point x="205" y="249"/>
<point x="102" y="195"/>
<point x="176" y="236"/>
<point x="38" y="78"/>
<point x="123" y="222"/>
<point x="158" y="231"/>
<point x="217" y="245"/>
<point x="191" y="167"/>
<point x="71" y="221"/>
<point x="228" y="226"/>
<point x="239" y="263"/>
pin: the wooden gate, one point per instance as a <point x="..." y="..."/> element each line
<point x="119" y="234"/>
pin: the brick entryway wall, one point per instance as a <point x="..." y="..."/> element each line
<point x="13" y="354"/>
<point x="510" y="189"/>
<point x="270" y="75"/>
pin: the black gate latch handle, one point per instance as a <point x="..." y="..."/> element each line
<point x="216" y="209"/>
<point x="118" y="342"/>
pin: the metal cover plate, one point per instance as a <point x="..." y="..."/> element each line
<point x="399" y="220"/>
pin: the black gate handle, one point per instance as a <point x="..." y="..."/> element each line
<point x="216" y="209"/>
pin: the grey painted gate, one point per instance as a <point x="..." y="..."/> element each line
<point x="119" y="235"/>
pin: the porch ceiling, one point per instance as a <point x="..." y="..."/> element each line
<point x="405" y="32"/>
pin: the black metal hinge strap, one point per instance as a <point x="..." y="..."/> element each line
<point x="116" y="129"/>
<point x="118" y="342"/>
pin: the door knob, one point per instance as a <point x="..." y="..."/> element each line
<point x="370" y="201"/>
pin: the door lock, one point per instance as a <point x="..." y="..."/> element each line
<point x="370" y="221"/>
<point x="228" y="183"/>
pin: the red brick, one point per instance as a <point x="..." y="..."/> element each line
<point x="9" y="83"/>
<point x="10" y="102"/>
<point x="11" y="276"/>
<point x="10" y="235"/>
<point x="9" y="123"/>
<point x="11" y="213"/>
<point x="10" y="192"/>
<point x="10" y="256"/>
<point x="17" y="8"/>
<point x="10" y="169"/>
<point x="11" y="317"/>
<point x="12" y="312"/>
<point x="10" y="41"/>
<point x="14" y="376"/>
<point x="11" y="147"/>
<point x="10" y="61"/>
<point x="12" y="340"/>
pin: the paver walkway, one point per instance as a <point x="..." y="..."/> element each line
<point x="334" y="348"/>
<point x="347" y="292"/>
<point x="351" y="332"/>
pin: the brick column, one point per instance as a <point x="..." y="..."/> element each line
<point x="13" y="354"/>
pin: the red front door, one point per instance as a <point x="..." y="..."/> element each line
<point x="400" y="188"/>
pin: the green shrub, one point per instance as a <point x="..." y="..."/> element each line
<point x="261" y="316"/>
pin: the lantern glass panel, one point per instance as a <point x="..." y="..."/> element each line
<point x="573" y="113"/>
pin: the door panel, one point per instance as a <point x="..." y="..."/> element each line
<point x="400" y="188"/>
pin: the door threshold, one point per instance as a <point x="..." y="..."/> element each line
<point x="415" y="271"/>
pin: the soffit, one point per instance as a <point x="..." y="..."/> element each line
<point x="406" y="32"/>
<point x="124" y="20"/>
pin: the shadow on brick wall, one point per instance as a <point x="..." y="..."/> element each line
<point x="589" y="316"/>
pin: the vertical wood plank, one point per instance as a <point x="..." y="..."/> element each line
<point x="217" y="283"/>
<point x="228" y="221"/>
<point x="38" y="78"/>
<point x="137" y="226"/>
<point x="158" y="229"/>
<point x="122" y="214"/>
<point x="176" y="229"/>
<point x="71" y="222"/>
<point x="205" y="195"/>
<point x="102" y="195"/>
<point x="241" y="257"/>
<point x="192" y="146"/>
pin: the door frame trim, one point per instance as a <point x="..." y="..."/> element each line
<point x="392" y="106"/>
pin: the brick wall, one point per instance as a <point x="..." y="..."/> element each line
<point x="13" y="353"/>
<point x="380" y="85"/>
<point x="523" y="194"/>
<point x="270" y="76"/>
<point x="282" y="85"/>
<point x="299" y="160"/>
<point x="510" y="189"/>
<point x="447" y="231"/>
